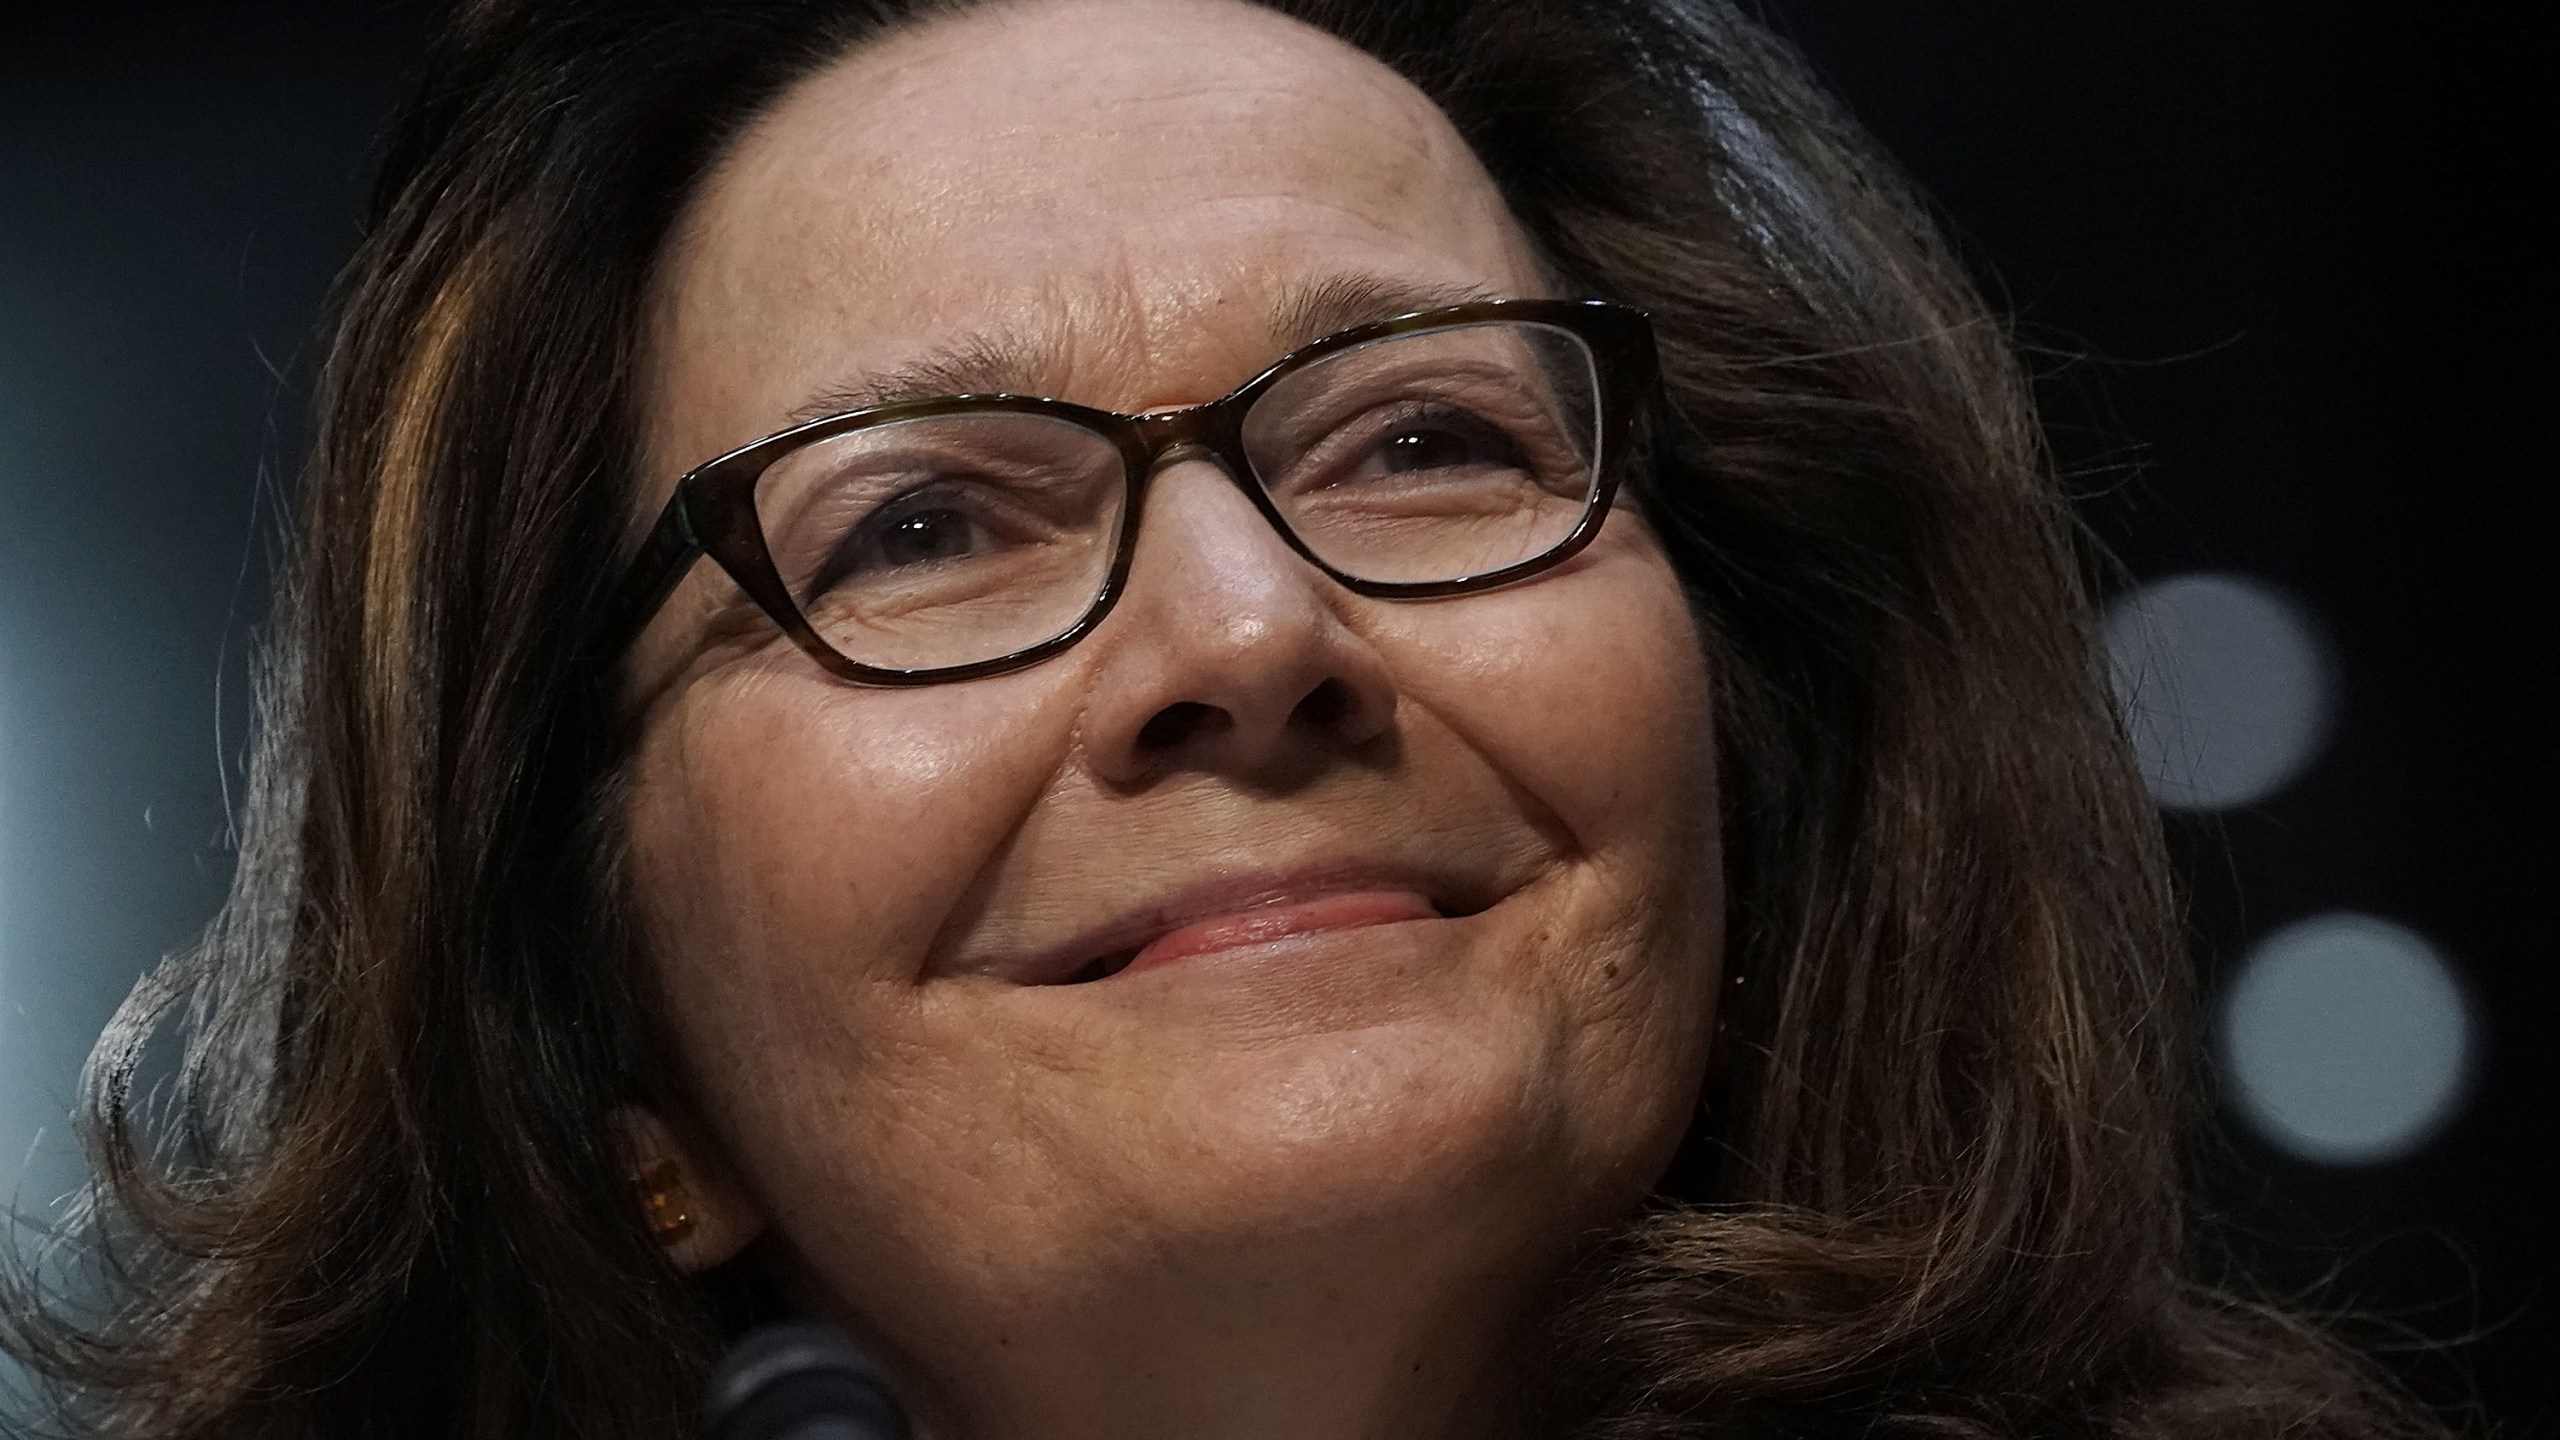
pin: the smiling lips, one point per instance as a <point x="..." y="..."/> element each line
<point x="1265" y="923"/>
<point x="1239" y="922"/>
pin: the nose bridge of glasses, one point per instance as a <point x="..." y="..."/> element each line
<point x="1211" y="433"/>
<point x="1208" y="432"/>
<point x="1192" y="431"/>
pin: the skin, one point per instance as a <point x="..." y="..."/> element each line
<point x="1308" y="1187"/>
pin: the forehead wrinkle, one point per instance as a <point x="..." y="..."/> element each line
<point x="1117" y="335"/>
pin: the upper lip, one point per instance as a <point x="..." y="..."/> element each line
<point x="1229" y="893"/>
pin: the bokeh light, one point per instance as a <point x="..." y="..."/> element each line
<point x="2345" y="1039"/>
<point x="2225" y="688"/>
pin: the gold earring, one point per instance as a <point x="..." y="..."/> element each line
<point x="662" y="1198"/>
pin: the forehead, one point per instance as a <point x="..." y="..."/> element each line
<point x="1133" y="188"/>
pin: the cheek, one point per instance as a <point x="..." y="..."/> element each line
<point x="1589" y="694"/>
<point x="812" y="840"/>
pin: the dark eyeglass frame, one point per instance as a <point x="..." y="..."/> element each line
<point x="713" y="512"/>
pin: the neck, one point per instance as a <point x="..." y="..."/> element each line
<point x="1340" y="1351"/>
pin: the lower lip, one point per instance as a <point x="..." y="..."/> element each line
<point x="1265" y="924"/>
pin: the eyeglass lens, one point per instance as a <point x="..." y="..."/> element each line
<point x="962" y="537"/>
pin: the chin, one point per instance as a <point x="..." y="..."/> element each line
<point x="1400" y="1134"/>
<point x="1415" y="1082"/>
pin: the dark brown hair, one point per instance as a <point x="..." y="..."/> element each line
<point x="1937" y="1189"/>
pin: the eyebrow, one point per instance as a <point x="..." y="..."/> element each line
<point x="978" y="365"/>
<point x="998" y="363"/>
<point x="1311" y="311"/>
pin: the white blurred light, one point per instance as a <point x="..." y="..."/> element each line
<point x="2225" y="688"/>
<point x="2345" y="1039"/>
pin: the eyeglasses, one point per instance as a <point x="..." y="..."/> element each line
<point x="1439" y="453"/>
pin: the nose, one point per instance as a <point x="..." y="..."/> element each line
<point x="1226" y="652"/>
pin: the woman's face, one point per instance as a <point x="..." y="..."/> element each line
<point x="1431" y="888"/>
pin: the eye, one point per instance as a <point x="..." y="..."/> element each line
<point x="927" y="526"/>
<point x="918" y="536"/>
<point x="1425" y="450"/>
<point x="1445" y="438"/>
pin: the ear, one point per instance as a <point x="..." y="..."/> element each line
<point x="698" y="1214"/>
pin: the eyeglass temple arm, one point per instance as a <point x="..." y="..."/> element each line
<point x="652" y="575"/>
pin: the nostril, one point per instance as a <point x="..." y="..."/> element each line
<point x="1327" y="706"/>
<point x="1180" y="722"/>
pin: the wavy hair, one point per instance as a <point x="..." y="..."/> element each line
<point x="1937" y="1188"/>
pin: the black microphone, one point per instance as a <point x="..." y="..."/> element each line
<point x="797" y="1381"/>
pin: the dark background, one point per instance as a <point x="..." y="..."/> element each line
<point x="2269" y="255"/>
